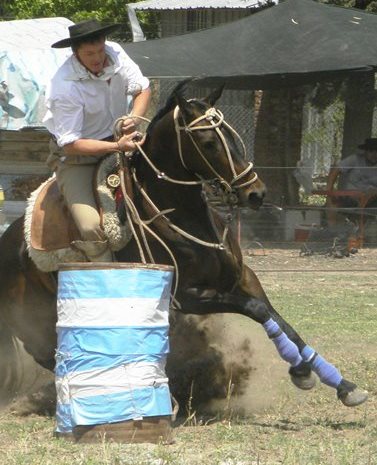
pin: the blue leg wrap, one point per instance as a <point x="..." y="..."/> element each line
<point x="287" y="349"/>
<point x="326" y="372"/>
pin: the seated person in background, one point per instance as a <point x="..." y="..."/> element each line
<point x="356" y="174"/>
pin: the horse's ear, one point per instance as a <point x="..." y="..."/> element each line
<point x="180" y="100"/>
<point x="215" y="95"/>
<point x="184" y="105"/>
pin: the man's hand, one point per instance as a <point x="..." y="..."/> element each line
<point x="130" y="124"/>
<point x="127" y="142"/>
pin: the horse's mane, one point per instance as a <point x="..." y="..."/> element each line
<point x="170" y="103"/>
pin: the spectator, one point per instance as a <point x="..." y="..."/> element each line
<point x="356" y="179"/>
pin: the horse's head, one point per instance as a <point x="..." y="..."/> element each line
<point x="214" y="152"/>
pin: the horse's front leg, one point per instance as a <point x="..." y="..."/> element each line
<point x="328" y="374"/>
<point x="290" y="346"/>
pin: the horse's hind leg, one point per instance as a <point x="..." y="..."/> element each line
<point x="290" y="346"/>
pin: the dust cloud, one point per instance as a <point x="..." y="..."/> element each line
<point x="245" y="342"/>
<point x="223" y="361"/>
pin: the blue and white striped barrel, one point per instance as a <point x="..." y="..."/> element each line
<point x="112" y="343"/>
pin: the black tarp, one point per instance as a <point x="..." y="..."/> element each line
<point x="294" y="42"/>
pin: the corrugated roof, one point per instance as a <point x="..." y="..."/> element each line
<point x="192" y="4"/>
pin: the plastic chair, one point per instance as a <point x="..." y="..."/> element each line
<point x="363" y="199"/>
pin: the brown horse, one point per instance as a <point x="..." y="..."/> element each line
<point x="190" y="153"/>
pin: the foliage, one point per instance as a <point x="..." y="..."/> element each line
<point x="324" y="135"/>
<point x="367" y="5"/>
<point x="76" y="10"/>
<point x="106" y="11"/>
<point x="326" y="93"/>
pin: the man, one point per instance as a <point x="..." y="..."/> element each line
<point x="87" y="94"/>
<point x="356" y="174"/>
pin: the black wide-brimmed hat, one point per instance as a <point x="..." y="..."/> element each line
<point x="85" y="30"/>
<point x="369" y="144"/>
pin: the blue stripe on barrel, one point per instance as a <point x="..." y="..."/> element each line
<point x="124" y="405"/>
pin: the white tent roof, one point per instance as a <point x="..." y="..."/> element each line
<point x="32" y="33"/>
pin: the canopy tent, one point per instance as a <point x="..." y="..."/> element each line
<point x="292" y="43"/>
<point x="27" y="63"/>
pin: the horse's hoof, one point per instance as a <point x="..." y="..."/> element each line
<point x="304" y="382"/>
<point x="302" y="376"/>
<point x="353" y="398"/>
<point x="350" y="395"/>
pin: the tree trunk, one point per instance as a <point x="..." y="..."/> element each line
<point x="277" y="147"/>
<point x="358" y="120"/>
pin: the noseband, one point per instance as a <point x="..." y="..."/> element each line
<point x="213" y="119"/>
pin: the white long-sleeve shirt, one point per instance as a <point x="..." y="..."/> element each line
<point x="81" y="105"/>
<point x="356" y="173"/>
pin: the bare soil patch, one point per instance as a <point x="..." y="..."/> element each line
<point x="288" y="258"/>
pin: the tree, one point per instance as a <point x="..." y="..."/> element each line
<point x="105" y="11"/>
<point x="277" y="145"/>
<point x="359" y="99"/>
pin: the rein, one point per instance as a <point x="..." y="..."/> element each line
<point x="160" y="214"/>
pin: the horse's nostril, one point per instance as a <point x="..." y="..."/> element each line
<point x="256" y="195"/>
<point x="256" y="199"/>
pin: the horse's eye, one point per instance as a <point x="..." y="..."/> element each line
<point x="209" y="145"/>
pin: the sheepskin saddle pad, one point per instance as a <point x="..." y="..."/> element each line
<point x="49" y="227"/>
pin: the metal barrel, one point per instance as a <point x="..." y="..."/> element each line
<point x="112" y="346"/>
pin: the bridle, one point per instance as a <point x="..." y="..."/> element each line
<point x="213" y="119"/>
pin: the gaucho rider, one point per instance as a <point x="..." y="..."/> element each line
<point x="91" y="89"/>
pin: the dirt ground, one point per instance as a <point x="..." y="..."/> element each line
<point x="292" y="257"/>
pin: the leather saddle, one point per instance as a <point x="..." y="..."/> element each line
<point x="52" y="225"/>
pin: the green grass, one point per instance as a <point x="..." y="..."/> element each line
<point x="335" y="313"/>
